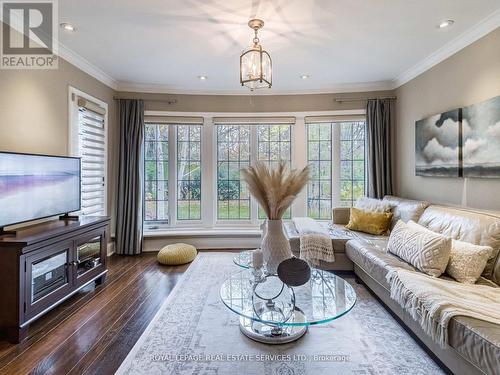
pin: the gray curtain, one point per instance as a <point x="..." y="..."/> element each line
<point x="380" y="124"/>
<point x="130" y="172"/>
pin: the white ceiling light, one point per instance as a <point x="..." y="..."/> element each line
<point x="67" y="26"/>
<point x="305" y="76"/>
<point x="202" y="78"/>
<point x="255" y="62"/>
<point x="446" y="23"/>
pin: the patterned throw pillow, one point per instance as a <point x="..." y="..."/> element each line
<point x="369" y="222"/>
<point x="427" y="251"/>
<point x="467" y="261"/>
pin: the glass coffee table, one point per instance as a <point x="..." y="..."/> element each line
<point x="274" y="313"/>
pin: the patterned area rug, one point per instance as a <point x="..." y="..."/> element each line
<point x="194" y="333"/>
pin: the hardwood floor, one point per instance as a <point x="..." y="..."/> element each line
<point x="93" y="331"/>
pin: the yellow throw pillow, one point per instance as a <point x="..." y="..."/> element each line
<point x="369" y="222"/>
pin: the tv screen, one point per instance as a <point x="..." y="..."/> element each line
<point x="36" y="186"/>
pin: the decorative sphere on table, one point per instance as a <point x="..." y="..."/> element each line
<point x="294" y="272"/>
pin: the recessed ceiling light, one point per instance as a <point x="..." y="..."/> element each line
<point x="67" y="26"/>
<point x="446" y="23"/>
<point x="305" y="76"/>
<point x="202" y="78"/>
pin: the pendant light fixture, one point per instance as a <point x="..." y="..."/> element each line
<point x="255" y="62"/>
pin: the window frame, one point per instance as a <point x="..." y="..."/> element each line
<point x="177" y="220"/>
<point x="230" y="222"/>
<point x="333" y="143"/>
<point x="74" y="130"/>
<point x="269" y="161"/>
<point x="163" y="222"/>
<point x="336" y="162"/>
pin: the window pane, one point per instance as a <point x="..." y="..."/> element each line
<point x="274" y="146"/>
<point x="352" y="155"/>
<point x="233" y="154"/>
<point x="319" y="152"/>
<point x="156" y="173"/>
<point x="188" y="172"/>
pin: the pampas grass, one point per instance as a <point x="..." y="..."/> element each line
<point x="275" y="189"/>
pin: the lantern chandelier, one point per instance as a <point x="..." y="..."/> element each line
<point x="255" y="63"/>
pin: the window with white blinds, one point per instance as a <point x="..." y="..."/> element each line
<point x="92" y="148"/>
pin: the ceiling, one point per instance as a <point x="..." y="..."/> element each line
<point x="350" y="45"/>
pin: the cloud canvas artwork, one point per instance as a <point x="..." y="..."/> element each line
<point x="481" y="139"/>
<point x="438" y="152"/>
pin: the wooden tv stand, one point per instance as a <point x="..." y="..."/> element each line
<point x="43" y="264"/>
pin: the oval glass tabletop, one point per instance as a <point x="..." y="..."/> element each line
<point x="323" y="298"/>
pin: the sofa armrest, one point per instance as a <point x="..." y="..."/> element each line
<point x="341" y="215"/>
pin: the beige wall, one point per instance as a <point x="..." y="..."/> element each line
<point x="470" y="76"/>
<point x="34" y="112"/>
<point x="254" y="103"/>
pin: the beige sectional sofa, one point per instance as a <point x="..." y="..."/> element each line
<point x="474" y="345"/>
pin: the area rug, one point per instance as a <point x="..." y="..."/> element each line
<point x="194" y="333"/>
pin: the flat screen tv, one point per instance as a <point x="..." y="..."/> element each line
<point x="37" y="186"/>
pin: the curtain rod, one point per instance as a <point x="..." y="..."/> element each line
<point x="340" y="100"/>
<point x="168" y="101"/>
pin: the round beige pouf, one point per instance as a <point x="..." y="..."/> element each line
<point x="176" y="254"/>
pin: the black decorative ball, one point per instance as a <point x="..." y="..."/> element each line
<point x="294" y="272"/>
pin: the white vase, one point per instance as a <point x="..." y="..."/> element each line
<point x="275" y="246"/>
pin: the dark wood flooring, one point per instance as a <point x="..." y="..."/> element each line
<point x="93" y="331"/>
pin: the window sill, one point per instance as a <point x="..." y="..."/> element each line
<point x="203" y="232"/>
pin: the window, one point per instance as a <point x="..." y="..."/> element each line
<point x="352" y="161"/>
<point x="192" y="166"/>
<point x="319" y="157"/>
<point x="336" y="155"/>
<point x="233" y="154"/>
<point x="188" y="172"/>
<point x="274" y="145"/>
<point x="88" y="140"/>
<point x="156" y="172"/>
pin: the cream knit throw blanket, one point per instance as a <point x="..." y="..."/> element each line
<point x="315" y="242"/>
<point x="432" y="302"/>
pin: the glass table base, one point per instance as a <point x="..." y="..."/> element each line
<point x="273" y="335"/>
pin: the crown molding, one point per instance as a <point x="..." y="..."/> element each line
<point x="86" y="66"/>
<point x="465" y="39"/>
<point x="336" y="89"/>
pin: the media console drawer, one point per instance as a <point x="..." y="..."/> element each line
<point x="44" y="264"/>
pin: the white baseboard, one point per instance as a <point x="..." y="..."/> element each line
<point x="209" y="242"/>
<point x="111" y="248"/>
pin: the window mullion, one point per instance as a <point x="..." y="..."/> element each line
<point x="172" y="176"/>
<point x="336" y="164"/>
<point x="254" y="157"/>
<point x="208" y="164"/>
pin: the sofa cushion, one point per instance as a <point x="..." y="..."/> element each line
<point x="475" y="340"/>
<point x="473" y="226"/>
<point x="374" y="259"/>
<point x="422" y="248"/>
<point x="373" y="205"/>
<point x="405" y="209"/>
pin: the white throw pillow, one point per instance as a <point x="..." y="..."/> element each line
<point x="467" y="261"/>
<point x="427" y="251"/>
<point x="372" y="205"/>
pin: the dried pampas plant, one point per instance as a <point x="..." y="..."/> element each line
<point x="275" y="189"/>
